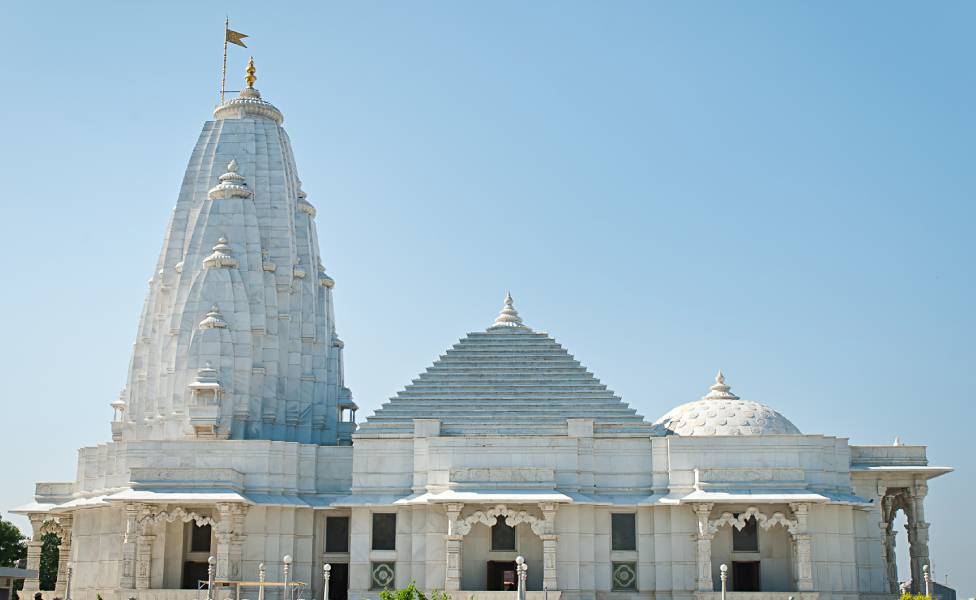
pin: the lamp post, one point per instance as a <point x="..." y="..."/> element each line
<point x="210" y="577"/>
<point x="287" y="570"/>
<point x="67" y="583"/>
<point x="928" y="580"/>
<point x="521" y="571"/>
<point x="724" y="570"/>
<point x="262" y="575"/>
<point x="326" y="573"/>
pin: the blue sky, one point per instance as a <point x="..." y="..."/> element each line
<point x="777" y="189"/>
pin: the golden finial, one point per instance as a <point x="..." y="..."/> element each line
<point x="251" y="77"/>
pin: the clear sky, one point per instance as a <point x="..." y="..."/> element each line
<point x="777" y="189"/>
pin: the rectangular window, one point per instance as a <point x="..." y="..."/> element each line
<point x="337" y="534"/>
<point x="384" y="531"/>
<point x="200" y="538"/>
<point x="623" y="531"/>
<point x="502" y="536"/>
<point x="624" y="576"/>
<point x="746" y="539"/>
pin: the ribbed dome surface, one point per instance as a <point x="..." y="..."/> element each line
<point x="507" y="380"/>
<point x="722" y="413"/>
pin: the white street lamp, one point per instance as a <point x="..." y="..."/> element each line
<point x="724" y="569"/>
<point x="287" y="570"/>
<point x="521" y="570"/>
<point x="326" y="574"/>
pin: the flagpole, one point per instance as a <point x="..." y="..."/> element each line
<point x="223" y="72"/>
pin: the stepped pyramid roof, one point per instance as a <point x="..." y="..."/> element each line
<point x="507" y="380"/>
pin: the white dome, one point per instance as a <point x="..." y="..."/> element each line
<point x="721" y="412"/>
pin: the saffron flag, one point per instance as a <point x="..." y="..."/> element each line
<point x="236" y="37"/>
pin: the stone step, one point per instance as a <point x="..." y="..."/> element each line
<point x="526" y="421"/>
<point x="548" y="404"/>
<point x="506" y="394"/>
<point x="466" y="368"/>
<point x="496" y="361"/>
<point x="507" y="343"/>
<point x="556" y="386"/>
<point x="442" y="382"/>
<point x="506" y="350"/>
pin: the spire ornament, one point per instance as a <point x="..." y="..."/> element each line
<point x="508" y="317"/>
<point x="251" y="77"/>
<point x="719" y="390"/>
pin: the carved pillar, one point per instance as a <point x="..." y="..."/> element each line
<point x="804" y="551"/>
<point x="127" y="579"/>
<point x="918" y="534"/>
<point x="549" y="539"/>
<point x="230" y="540"/>
<point x="33" y="555"/>
<point x="143" y="560"/>
<point x="703" y="540"/>
<point x="453" y="541"/>
<point x="889" y="559"/>
<point x="64" y="556"/>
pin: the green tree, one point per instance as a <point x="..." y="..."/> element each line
<point x="13" y="544"/>
<point x="47" y="573"/>
<point x="412" y="593"/>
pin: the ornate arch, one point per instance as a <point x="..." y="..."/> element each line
<point x="148" y="519"/>
<point x="764" y="521"/>
<point x="490" y="518"/>
<point x="53" y="525"/>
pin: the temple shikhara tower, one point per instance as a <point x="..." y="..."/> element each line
<point x="234" y="444"/>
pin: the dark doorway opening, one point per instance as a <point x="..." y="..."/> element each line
<point x="193" y="574"/>
<point x="339" y="582"/>
<point x="745" y="576"/>
<point x="501" y="576"/>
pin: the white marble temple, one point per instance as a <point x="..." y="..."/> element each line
<point x="235" y="438"/>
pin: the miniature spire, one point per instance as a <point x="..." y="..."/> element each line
<point x="719" y="390"/>
<point x="508" y="317"/>
<point x="213" y="320"/>
<point x="231" y="184"/>
<point x="221" y="256"/>
<point x="251" y="77"/>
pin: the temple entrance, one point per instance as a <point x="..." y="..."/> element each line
<point x="339" y="582"/>
<point x="501" y="576"/>
<point x="745" y="576"/>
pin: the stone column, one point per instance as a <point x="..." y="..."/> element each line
<point x="918" y="534"/>
<point x="33" y="555"/>
<point x="549" y="539"/>
<point x="703" y="540"/>
<point x="144" y="560"/>
<point x="127" y="578"/>
<point x="230" y="541"/>
<point x="453" y="541"/>
<point x="889" y="559"/>
<point x="64" y="556"/>
<point x="804" y="551"/>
